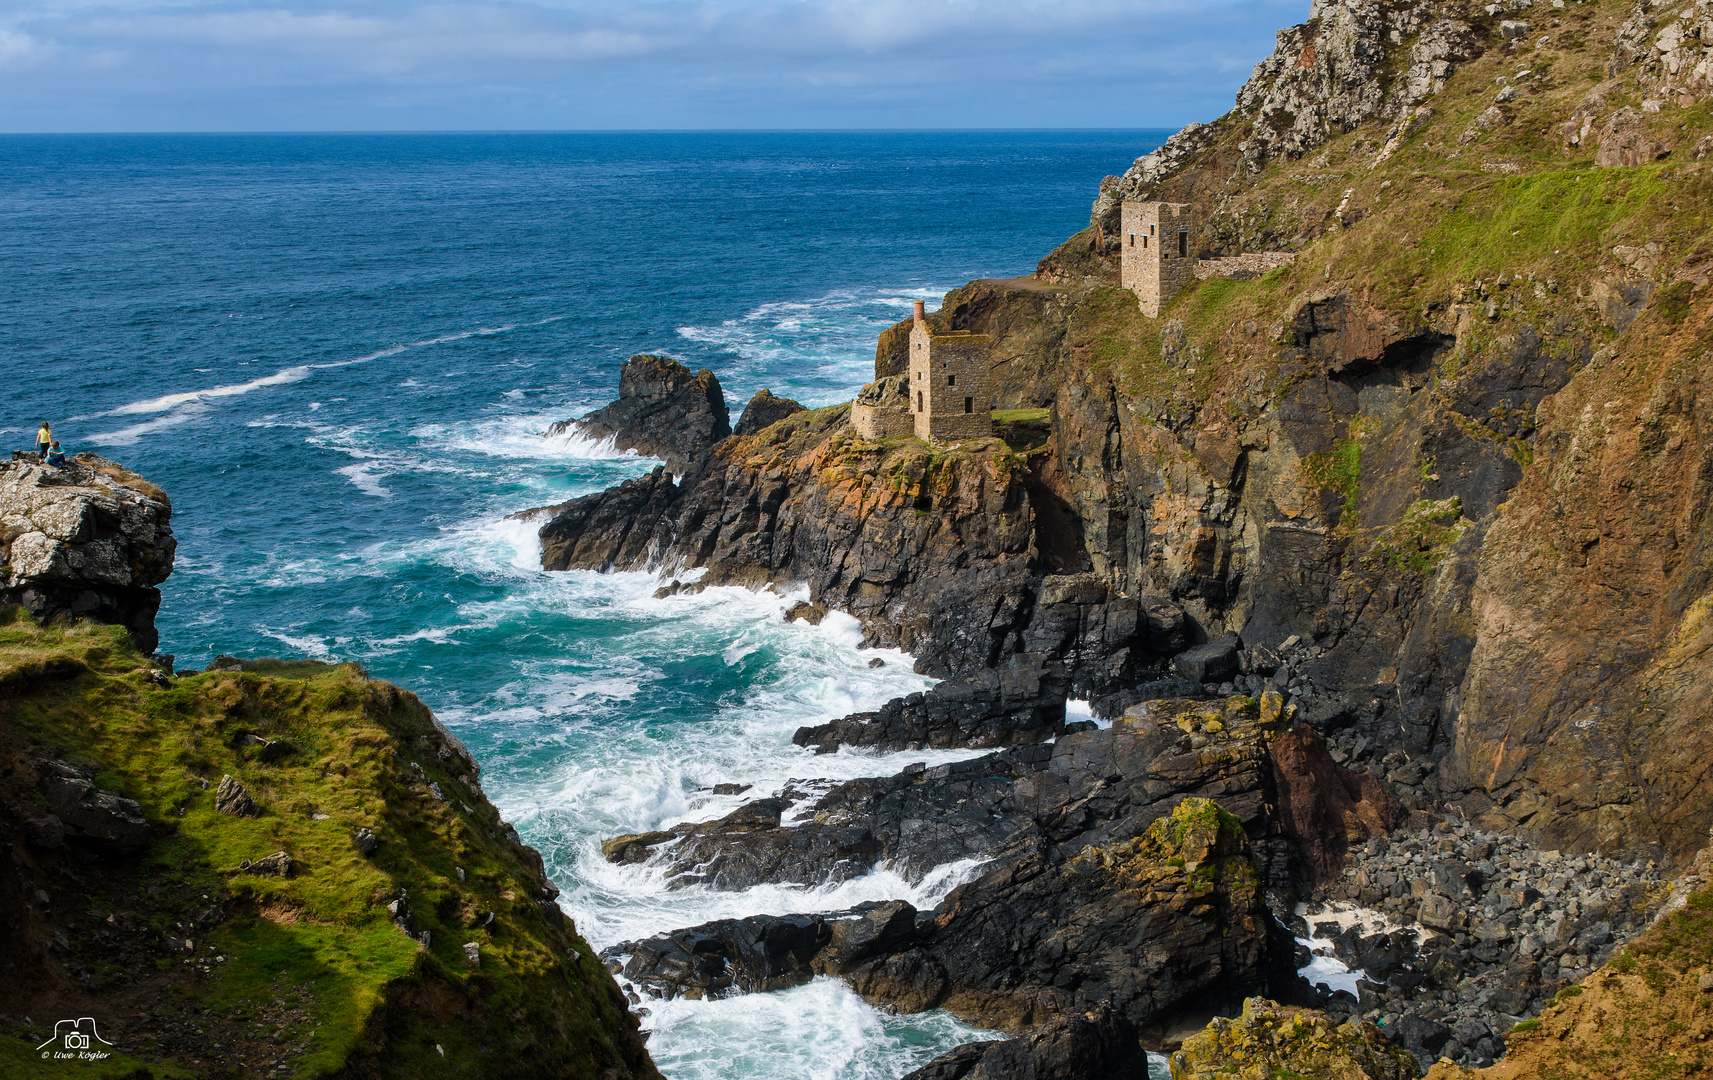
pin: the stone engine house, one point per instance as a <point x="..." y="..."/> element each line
<point x="951" y="382"/>
<point x="1159" y="252"/>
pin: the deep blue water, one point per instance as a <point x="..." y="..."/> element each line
<point x="337" y="354"/>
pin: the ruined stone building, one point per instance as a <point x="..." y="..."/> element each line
<point x="1159" y="252"/>
<point x="882" y="409"/>
<point x="951" y="385"/>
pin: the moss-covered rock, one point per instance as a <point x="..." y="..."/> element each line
<point x="357" y="962"/>
<point x="1268" y="1041"/>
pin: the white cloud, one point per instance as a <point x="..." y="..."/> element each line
<point x="659" y="63"/>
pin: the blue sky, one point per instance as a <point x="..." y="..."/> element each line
<point x="271" y="65"/>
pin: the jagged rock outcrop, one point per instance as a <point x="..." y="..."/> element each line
<point x="1151" y="925"/>
<point x="663" y="411"/>
<point x="1088" y="787"/>
<point x="1111" y="875"/>
<point x="763" y="411"/>
<point x="1351" y="62"/>
<point x="89" y="540"/>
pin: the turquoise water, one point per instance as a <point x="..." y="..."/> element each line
<point x="337" y="354"/>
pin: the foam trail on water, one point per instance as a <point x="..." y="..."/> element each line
<point x="283" y="377"/>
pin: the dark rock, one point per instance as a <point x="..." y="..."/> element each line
<point x="1186" y="888"/>
<point x="1208" y="663"/>
<point x="1020" y="704"/>
<point x="47" y="833"/>
<point x="365" y="841"/>
<point x="731" y="789"/>
<point x="86" y="812"/>
<point x="230" y="798"/>
<point x="1100" y="1045"/>
<point x="763" y="411"/>
<point x="279" y="864"/>
<point x="876" y="662"/>
<point x="662" y="411"/>
<point x="1166" y="626"/>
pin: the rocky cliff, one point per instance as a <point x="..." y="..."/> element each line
<point x="265" y="869"/>
<point x="89" y="540"/>
<point x="1451" y="453"/>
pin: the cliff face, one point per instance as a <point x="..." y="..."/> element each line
<point x="1452" y="454"/>
<point x="268" y="868"/>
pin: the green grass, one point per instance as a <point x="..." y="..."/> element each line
<point x="323" y="934"/>
<point x="1015" y="416"/>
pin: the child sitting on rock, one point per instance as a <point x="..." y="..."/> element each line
<point x="56" y="456"/>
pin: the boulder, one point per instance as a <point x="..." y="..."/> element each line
<point x="90" y="540"/>
<point x="1207" y="663"/>
<point x="365" y="841"/>
<point x="230" y="798"/>
<point x="763" y="411"/>
<point x="663" y="411"/>
<point x="632" y="847"/>
<point x="279" y="864"/>
<point x="86" y="812"/>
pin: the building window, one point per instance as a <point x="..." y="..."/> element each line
<point x="1183" y="245"/>
<point x="1144" y="241"/>
<point x="1132" y="239"/>
<point x="1150" y="230"/>
<point x="918" y="401"/>
<point x="969" y="404"/>
<point x="951" y="380"/>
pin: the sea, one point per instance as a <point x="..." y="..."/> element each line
<point x="339" y="354"/>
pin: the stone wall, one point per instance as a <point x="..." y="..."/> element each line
<point x="951" y="387"/>
<point x="1158" y="255"/>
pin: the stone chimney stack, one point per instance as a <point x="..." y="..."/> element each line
<point x="921" y="311"/>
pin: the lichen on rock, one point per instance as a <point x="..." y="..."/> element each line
<point x="1270" y="1040"/>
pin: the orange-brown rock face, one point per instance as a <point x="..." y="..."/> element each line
<point x="1586" y="715"/>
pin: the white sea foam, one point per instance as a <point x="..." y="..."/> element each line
<point x="821" y="1031"/>
<point x="1323" y="966"/>
<point x="367" y="476"/>
<point x="315" y="647"/>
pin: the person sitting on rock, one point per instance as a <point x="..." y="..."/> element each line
<point x="43" y="438"/>
<point x="56" y="456"/>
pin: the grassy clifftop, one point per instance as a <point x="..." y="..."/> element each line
<point x="192" y="965"/>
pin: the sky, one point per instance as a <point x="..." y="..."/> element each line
<point x="395" y="65"/>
